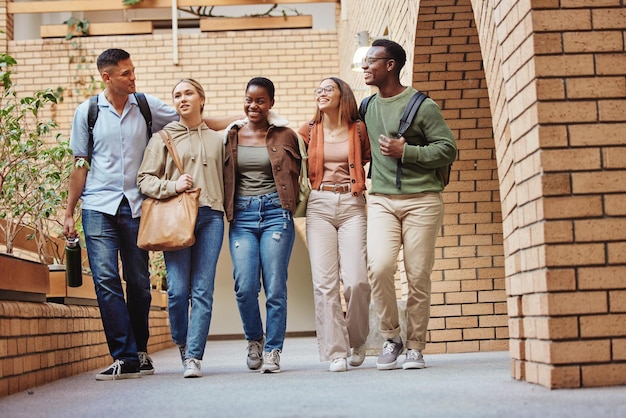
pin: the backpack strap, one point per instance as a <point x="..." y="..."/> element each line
<point x="92" y="116"/>
<point x="363" y="106"/>
<point x="410" y="111"/>
<point x="405" y="122"/>
<point x="362" y="109"/>
<point x="144" y="108"/>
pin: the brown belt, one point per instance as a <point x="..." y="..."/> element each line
<point x="336" y="188"/>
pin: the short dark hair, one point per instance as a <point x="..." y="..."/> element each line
<point x="266" y="83"/>
<point x="393" y="50"/>
<point x="111" y="57"/>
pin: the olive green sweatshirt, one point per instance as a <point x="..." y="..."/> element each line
<point x="430" y="144"/>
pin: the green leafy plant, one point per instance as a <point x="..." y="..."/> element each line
<point x="76" y="27"/>
<point x="158" y="274"/>
<point x="34" y="164"/>
<point x="85" y="84"/>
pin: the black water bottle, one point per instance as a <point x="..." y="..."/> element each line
<point x="73" y="264"/>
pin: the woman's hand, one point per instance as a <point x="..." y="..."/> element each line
<point x="183" y="183"/>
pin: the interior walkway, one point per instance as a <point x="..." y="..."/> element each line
<point x="452" y="385"/>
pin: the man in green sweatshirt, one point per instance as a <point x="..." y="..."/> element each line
<point x="405" y="207"/>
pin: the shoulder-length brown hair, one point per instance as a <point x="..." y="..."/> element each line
<point x="348" y="110"/>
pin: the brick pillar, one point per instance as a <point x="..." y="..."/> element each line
<point x="557" y="74"/>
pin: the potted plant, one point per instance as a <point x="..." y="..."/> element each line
<point x="34" y="168"/>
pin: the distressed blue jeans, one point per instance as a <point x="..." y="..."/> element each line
<point x="261" y="238"/>
<point x="125" y="321"/>
<point x="191" y="281"/>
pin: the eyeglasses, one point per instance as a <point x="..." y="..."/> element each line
<point x="326" y="89"/>
<point x="371" y="60"/>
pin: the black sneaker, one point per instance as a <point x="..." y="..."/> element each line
<point x="183" y="353"/>
<point x="145" y="363"/>
<point x="120" y="369"/>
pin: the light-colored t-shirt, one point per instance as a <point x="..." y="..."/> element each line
<point x="336" y="169"/>
<point x="255" y="171"/>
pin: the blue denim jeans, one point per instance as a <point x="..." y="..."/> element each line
<point x="125" y="321"/>
<point x="191" y="281"/>
<point x="261" y="237"/>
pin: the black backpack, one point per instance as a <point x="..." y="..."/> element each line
<point x="92" y="116"/>
<point x="405" y="122"/>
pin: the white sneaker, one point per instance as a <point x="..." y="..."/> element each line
<point x="338" y="365"/>
<point x="414" y="360"/>
<point x="358" y="356"/>
<point x="192" y="368"/>
<point x="271" y="362"/>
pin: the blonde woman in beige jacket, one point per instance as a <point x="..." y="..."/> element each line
<point x="190" y="271"/>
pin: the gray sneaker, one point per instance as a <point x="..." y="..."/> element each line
<point x="389" y="355"/>
<point x="192" y="368"/>
<point x="271" y="362"/>
<point x="255" y="354"/>
<point x="414" y="360"/>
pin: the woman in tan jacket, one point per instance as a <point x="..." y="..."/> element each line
<point x="338" y="148"/>
<point x="190" y="271"/>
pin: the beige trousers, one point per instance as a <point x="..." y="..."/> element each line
<point x="336" y="228"/>
<point x="411" y="222"/>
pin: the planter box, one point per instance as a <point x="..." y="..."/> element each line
<point x="220" y="24"/>
<point x="60" y="292"/>
<point x="23" y="280"/>
<point x="85" y="295"/>
<point x="159" y="299"/>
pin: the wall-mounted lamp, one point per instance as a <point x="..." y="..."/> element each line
<point x="364" y="42"/>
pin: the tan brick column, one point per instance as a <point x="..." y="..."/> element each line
<point x="558" y="73"/>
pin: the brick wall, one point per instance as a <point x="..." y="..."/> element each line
<point x="468" y="298"/>
<point x="295" y="60"/>
<point x="43" y="342"/>
<point x="554" y="73"/>
<point x="469" y="301"/>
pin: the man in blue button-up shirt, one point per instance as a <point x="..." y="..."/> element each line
<point x="111" y="207"/>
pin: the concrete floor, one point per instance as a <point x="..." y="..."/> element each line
<point x="452" y="385"/>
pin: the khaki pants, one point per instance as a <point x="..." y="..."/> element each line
<point x="336" y="229"/>
<point x="411" y="222"/>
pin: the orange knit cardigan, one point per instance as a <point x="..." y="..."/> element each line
<point x="358" y="154"/>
